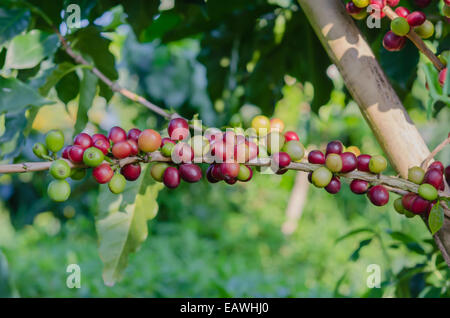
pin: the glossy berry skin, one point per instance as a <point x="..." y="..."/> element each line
<point x="178" y="129"/>
<point x="361" y="3"/>
<point x="425" y="30"/>
<point x="400" y="26"/>
<point x="416" y="175"/>
<point x="117" y="184"/>
<point x="334" y="186"/>
<point x="316" y="157"/>
<point x="402" y="11"/>
<point x="428" y="192"/>
<point x="291" y="135"/>
<point x="377" y="8"/>
<point x="377" y="164"/>
<point x="245" y="173"/>
<point x="171" y="177"/>
<point x="434" y="177"/>
<point x="363" y="162"/>
<point x="334" y="147"/>
<point x="157" y="170"/>
<point x="419" y="205"/>
<point x="398" y="206"/>
<point x="447" y="175"/>
<point x="442" y="76"/>
<point x="281" y="159"/>
<point x="392" y="42"/>
<point x="416" y="18"/>
<point x="378" y="195"/>
<point x="54" y="140"/>
<point x="76" y="154"/>
<point x="359" y="186"/>
<point x="117" y="134"/>
<point x="294" y="149"/>
<point x="190" y="172"/>
<point x="83" y="140"/>
<point x="149" y="140"/>
<point x="392" y="3"/>
<point x="58" y="190"/>
<point x="333" y="161"/>
<point x="216" y="172"/>
<point x="103" y="145"/>
<point x="96" y="137"/>
<point x="133" y="134"/>
<point x="321" y="177"/>
<point x="131" y="171"/>
<point x="437" y="165"/>
<point x="121" y="149"/>
<point x="422" y="3"/>
<point x="407" y="201"/>
<point x="166" y="140"/>
<point x="182" y="153"/>
<point x="40" y="150"/>
<point x="93" y="157"/>
<point x="60" y="169"/>
<point x="261" y="124"/>
<point x="230" y="181"/>
<point x="134" y="147"/>
<point x="229" y="170"/>
<point x="167" y="149"/>
<point x="102" y="173"/>
<point x="78" y="174"/>
<point x="65" y="152"/>
<point x="352" y="8"/>
<point x="209" y="175"/>
<point x="349" y="162"/>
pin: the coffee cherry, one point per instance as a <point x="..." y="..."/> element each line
<point x="182" y="153"/>
<point x="419" y="205"/>
<point x="334" y="147"/>
<point x="321" y="177"/>
<point x="167" y="149"/>
<point x="65" y="152"/>
<point x="134" y="147"/>
<point x="294" y="149"/>
<point x="276" y="124"/>
<point x="149" y="140"/>
<point x="310" y="177"/>
<point x="446" y="11"/>
<point x="361" y="3"/>
<point x="402" y="12"/>
<point x="261" y="124"/>
<point x="447" y="175"/>
<point x="359" y="186"/>
<point x="434" y="177"/>
<point x="213" y="134"/>
<point x="416" y="175"/>
<point x="378" y="195"/>
<point x="442" y="76"/>
<point x="426" y="30"/>
<point x="60" y="169"/>
<point x="377" y="8"/>
<point x="103" y="145"/>
<point x="407" y="201"/>
<point x="76" y="154"/>
<point x="229" y="169"/>
<point x="392" y="42"/>
<point x="77" y="174"/>
<point x="209" y="175"/>
<point x="291" y="135"/>
<point x="316" y="157"/>
<point x="274" y="142"/>
<point x="363" y="162"/>
<point x="96" y="137"/>
<point x="131" y="171"/>
<point x="398" y="206"/>
<point x="117" y="134"/>
<point x="54" y="140"/>
<point x="253" y="150"/>
<point x="93" y="157"/>
<point x="354" y="150"/>
<point x="392" y="3"/>
<point x="190" y="172"/>
<point x="230" y="181"/>
<point x="428" y="192"/>
<point x="349" y="162"/>
<point x="117" y="183"/>
<point x="245" y="173"/>
<point x="352" y="8"/>
<point x="200" y="145"/>
<point x="422" y="3"/>
<point x="447" y="2"/>
<point x="359" y="16"/>
<point x="436" y="165"/>
<point x="121" y="150"/>
<point x="178" y="129"/>
<point x="40" y="150"/>
<point x="102" y="173"/>
<point x="333" y="162"/>
<point x="171" y="177"/>
<point x="133" y="134"/>
<point x="334" y="186"/>
<point x="222" y="151"/>
<point x="281" y="160"/>
<point x="58" y="190"/>
<point x="400" y="26"/>
<point x="241" y="153"/>
<point x="216" y="172"/>
<point x="157" y="170"/>
<point x="377" y="164"/>
<point x="83" y="140"/>
<point x="166" y="140"/>
<point x="416" y="18"/>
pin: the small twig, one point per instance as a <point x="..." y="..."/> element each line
<point x="433" y="154"/>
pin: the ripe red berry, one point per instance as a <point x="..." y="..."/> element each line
<point x="253" y="150"/>
<point x="281" y="159"/>
<point x="229" y="136"/>
<point x="96" y="137"/>
<point x="392" y="3"/>
<point x="216" y="172"/>
<point x="393" y="42"/>
<point x="291" y="135"/>
<point x="349" y="162"/>
<point x="419" y="205"/>
<point x="378" y="195"/>
<point x="352" y="8"/>
<point x="229" y="169"/>
<point x="223" y="152"/>
<point x="447" y="175"/>
<point x="230" y="181"/>
<point x="359" y="186"/>
<point x="102" y="173"/>
<point x="407" y="201"/>
<point x="117" y="134"/>
<point x="83" y="140"/>
<point x="133" y="134"/>
<point x="209" y="175"/>
<point x="190" y="172"/>
<point x="134" y="147"/>
<point x="363" y="162"/>
<point x="334" y="147"/>
<point x="131" y="171"/>
<point x="171" y="177"/>
<point x="334" y="186"/>
<point x="121" y="149"/>
<point x="65" y="152"/>
<point x="402" y="12"/>
<point x="76" y="154"/>
<point x="442" y="76"/>
<point x="316" y="157"/>
<point x="416" y="18"/>
<point x="436" y="165"/>
<point x="149" y="140"/>
<point x="182" y="153"/>
<point x="434" y="177"/>
<point x="178" y="129"/>
<point x="422" y="3"/>
<point x="377" y="7"/>
<point x="102" y="144"/>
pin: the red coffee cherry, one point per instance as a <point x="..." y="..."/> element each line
<point x="83" y="140"/>
<point x="392" y="3"/>
<point x="349" y="162"/>
<point x="334" y="147"/>
<point x="436" y="165"/>
<point x="134" y="147"/>
<point x="422" y="3"/>
<point x="281" y="159"/>
<point x="359" y="186"/>
<point x="229" y="136"/>
<point x="407" y="201"/>
<point x="121" y="150"/>
<point x="209" y="175"/>
<point x="419" y="205"/>
<point x="229" y="170"/>
<point x="434" y="177"/>
<point x="216" y="172"/>
<point x="378" y="5"/>
<point x="291" y="135"/>
<point x="76" y="154"/>
<point x="102" y="144"/>
<point x="96" y="137"/>
<point x="178" y="129"/>
<point x="117" y="134"/>
<point x="447" y="173"/>
<point x="363" y="162"/>
<point x="230" y="181"/>
<point x="352" y="8"/>
<point x="133" y="134"/>
<point x="442" y="76"/>
<point x="102" y="173"/>
<point x="378" y="195"/>
<point x="131" y="171"/>
<point x="316" y="157"/>
<point x="182" y="153"/>
<point x="402" y="12"/>
<point x="171" y="177"/>
<point x="253" y="150"/>
<point x="149" y="140"/>
<point x="334" y="186"/>
<point x="190" y="172"/>
<point x="393" y="42"/>
<point x="65" y="152"/>
<point x="416" y="18"/>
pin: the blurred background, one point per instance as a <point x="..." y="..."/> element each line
<point x="227" y="65"/>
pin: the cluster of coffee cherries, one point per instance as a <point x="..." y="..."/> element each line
<point x="429" y="181"/>
<point x="336" y="160"/>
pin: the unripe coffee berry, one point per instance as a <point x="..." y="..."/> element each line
<point x="157" y="170"/>
<point x="59" y="169"/>
<point x="428" y="192"/>
<point x="377" y="164"/>
<point x="334" y="162"/>
<point x="117" y="183"/>
<point x="58" y="190"/>
<point x="167" y="149"/>
<point x="416" y="175"/>
<point x="400" y="26"/>
<point x="276" y="124"/>
<point x="361" y="3"/>
<point x="93" y="157"/>
<point x="398" y="206"/>
<point x="321" y="177"/>
<point x="54" y="140"/>
<point x="245" y="173"/>
<point x="40" y="150"/>
<point x="425" y="30"/>
<point x="77" y="174"/>
<point x="261" y="124"/>
<point x="294" y="149"/>
<point x="274" y="142"/>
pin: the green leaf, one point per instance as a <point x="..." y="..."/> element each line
<point x="88" y="89"/>
<point x="68" y="87"/>
<point x="408" y="241"/>
<point x="12" y="23"/>
<point x="122" y="223"/>
<point x="26" y="51"/>
<point x="355" y="254"/>
<point x="5" y="288"/>
<point x="354" y="232"/>
<point x="436" y="218"/>
<point x="15" y="96"/>
<point x="62" y="70"/>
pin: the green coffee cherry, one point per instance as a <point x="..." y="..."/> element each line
<point x="78" y="174"/>
<point x="334" y="162"/>
<point x="274" y="142"/>
<point x="416" y="175"/>
<point x="40" y="150"/>
<point x="398" y="206"/>
<point x="425" y="30"/>
<point x="60" y="169"/>
<point x="58" y="190"/>
<point x="361" y="3"/>
<point x="321" y="177"/>
<point x="54" y="140"/>
<point x="409" y="214"/>
<point x="377" y="164"/>
<point x="93" y="157"/>
<point x="117" y="183"/>
<point x="167" y="149"/>
<point x="428" y="192"/>
<point x="294" y="149"/>
<point x="244" y="173"/>
<point x="400" y="26"/>
<point x="157" y="170"/>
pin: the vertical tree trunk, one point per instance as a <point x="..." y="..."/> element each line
<point x="370" y="88"/>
